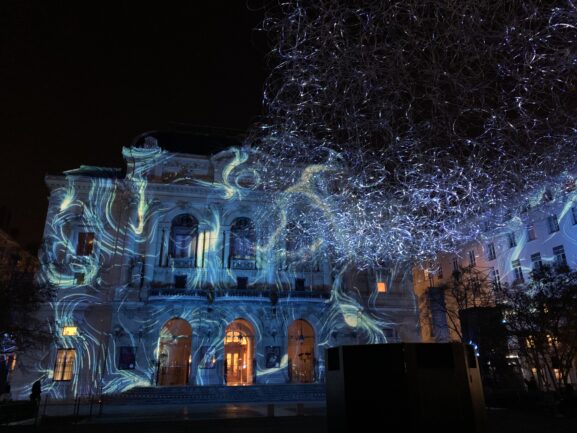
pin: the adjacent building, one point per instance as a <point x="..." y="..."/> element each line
<point x="545" y="233"/>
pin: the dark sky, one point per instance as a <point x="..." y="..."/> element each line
<point x="78" y="80"/>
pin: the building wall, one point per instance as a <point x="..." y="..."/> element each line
<point x="119" y="291"/>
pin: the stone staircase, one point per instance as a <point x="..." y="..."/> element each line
<point x="220" y="394"/>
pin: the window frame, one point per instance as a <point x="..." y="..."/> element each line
<point x="64" y="365"/>
<point x="553" y="223"/>
<point x="517" y="271"/>
<point x="85" y="245"/>
<point x="491" y="253"/>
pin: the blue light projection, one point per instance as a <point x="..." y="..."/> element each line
<point x="97" y="283"/>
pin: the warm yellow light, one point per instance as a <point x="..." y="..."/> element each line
<point x="382" y="287"/>
<point x="70" y="331"/>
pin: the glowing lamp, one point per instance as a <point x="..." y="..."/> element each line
<point x="69" y="331"/>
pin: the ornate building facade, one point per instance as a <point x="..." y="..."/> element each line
<point x="181" y="270"/>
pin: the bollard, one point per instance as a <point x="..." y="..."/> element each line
<point x="300" y="409"/>
<point x="270" y="410"/>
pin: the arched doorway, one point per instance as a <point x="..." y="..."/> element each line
<point x="174" y="353"/>
<point x="239" y="353"/>
<point x="301" y="352"/>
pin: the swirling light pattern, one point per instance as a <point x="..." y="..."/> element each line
<point x="433" y="120"/>
<point x="99" y="292"/>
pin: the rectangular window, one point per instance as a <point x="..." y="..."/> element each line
<point x="455" y="264"/>
<point x="496" y="278"/>
<point x="64" y="368"/>
<point x="390" y="334"/>
<point x="180" y="281"/>
<point x="537" y="263"/>
<point x="531" y="233"/>
<point x="560" y="258"/>
<point x="553" y="223"/>
<point x="472" y="260"/>
<point x="85" y="244"/>
<point x="381" y="287"/>
<point x="241" y="283"/>
<point x="299" y="284"/>
<point x="512" y="240"/>
<point x="79" y="278"/>
<point x="517" y="271"/>
<point x="491" y="255"/>
<point x="69" y="331"/>
<point x="574" y="215"/>
<point x="127" y="358"/>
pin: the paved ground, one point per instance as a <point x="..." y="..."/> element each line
<point x="252" y="418"/>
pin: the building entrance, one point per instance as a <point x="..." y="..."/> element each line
<point x="174" y="353"/>
<point x="301" y="352"/>
<point x="239" y="353"/>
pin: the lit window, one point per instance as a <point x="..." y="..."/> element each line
<point x="381" y="287"/>
<point x="69" y="331"/>
<point x="64" y="368"/>
<point x="531" y="233"/>
<point x="553" y="223"/>
<point x="85" y="244"/>
<point x="491" y="255"/>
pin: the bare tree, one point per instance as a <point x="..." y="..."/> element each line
<point x="468" y="304"/>
<point x="20" y="328"/>
<point x="542" y="317"/>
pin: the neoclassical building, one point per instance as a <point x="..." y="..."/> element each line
<point x="181" y="270"/>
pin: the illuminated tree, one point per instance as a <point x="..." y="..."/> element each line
<point x="430" y="119"/>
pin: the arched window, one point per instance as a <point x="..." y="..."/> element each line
<point x="242" y="240"/>
<point x="300" y="249"/>
<point x="183" y="236"/>
<point x="301" y="352"/>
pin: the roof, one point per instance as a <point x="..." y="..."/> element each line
<point x="193" y="140"/>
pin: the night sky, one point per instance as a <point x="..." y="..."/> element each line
<point x="80" y="80"/>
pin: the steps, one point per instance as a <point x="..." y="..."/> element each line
<point x="220" y="394"/>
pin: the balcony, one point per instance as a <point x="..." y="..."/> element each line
<point x="186" y="262"/>
<point x="240" y="294"/>
<point x="248" y="265"/>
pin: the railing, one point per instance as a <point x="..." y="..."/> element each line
<point x="240" y="293"/>
<point x="172" y="291"/>
<point x="187" y="262"/>
<point x="243" y="264"/>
